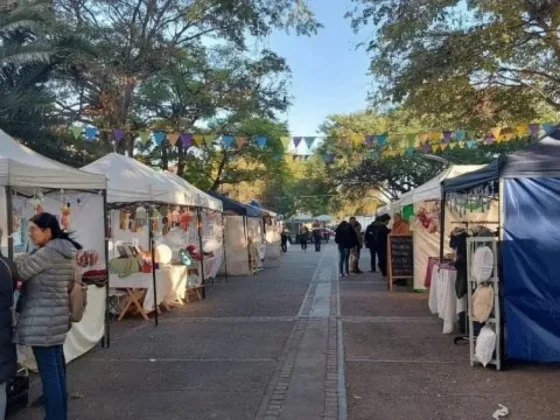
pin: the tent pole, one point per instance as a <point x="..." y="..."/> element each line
<point x="224" y="245"/>
<point x="10" y="222"/>
<point x="106" y="341"/>
<point x="199" y="229"/>
<point x="154" y="283"/>
<point x="442" y="222"/>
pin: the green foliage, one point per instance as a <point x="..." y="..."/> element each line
<point x="472" y="64"/>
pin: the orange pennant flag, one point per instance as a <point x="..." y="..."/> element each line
<point x="496" y="131"/>
<point x="436" y="135"/>
<point x="423" y="137"/>
<point x="173" y="138"/>
<point x="198" y="139"/>
<point x="444" y="146"/>
<point x="240" y="141"/>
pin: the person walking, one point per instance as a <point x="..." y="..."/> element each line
<point x="9" y="278"/>
<point x="304" y="238"/>
<point x="369" y="239"/>
<point x="317" y="235"/>
<point x="44" y="321"/>
<point x="284" y="239"/>
<point x="345" y="238"/>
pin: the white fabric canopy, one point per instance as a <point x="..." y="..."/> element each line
<point x="21" y="167"/>
<point x="130" y="181"/>
<point x="200" y="198"/>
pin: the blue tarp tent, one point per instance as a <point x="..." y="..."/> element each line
<point x="529" y="182"/>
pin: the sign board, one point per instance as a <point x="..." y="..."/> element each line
<point x="400" y="258"/>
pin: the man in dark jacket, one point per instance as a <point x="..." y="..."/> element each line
<point x="370" y="244"/>
<point x="346" y="240"/>
<point x="381" y="232"/>
<point x="8" y="357"/>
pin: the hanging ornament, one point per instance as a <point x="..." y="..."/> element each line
<point x="65" y="217"/>
<point x="176" y="217"/>
<point x="123" y="220"/>
<point x="186" y="218"/>
<point x="141" y="217"/>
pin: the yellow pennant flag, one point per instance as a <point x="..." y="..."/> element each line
<point x="522" y="130"/>
<point x="198" y="139"/>
<point x="435" y="147"/>
<point x="285" y="141"/>
<point x="173" y="138"/>
<point x="436" y="135"/>
<point x="423" y="137"/>
<point x="496" y="131"/>
<point x="240" y="141"/>
<point x="357" y="139"/>
<point x="444" y="146"/>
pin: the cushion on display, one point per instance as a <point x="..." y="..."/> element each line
<point x="482" y="303"/>
<point x="483" y="264"/>
<point x="485" y="345"/>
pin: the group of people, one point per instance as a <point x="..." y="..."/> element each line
<point x="350" y="242"/>
<point x="316" y="235"/>
<point x="40" y="318"/>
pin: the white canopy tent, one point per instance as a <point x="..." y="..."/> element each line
<point x="23" y="173"/>
<point x="426" y="200"/>
<point x="130" y="181"/>
<point x="200" y="198"/>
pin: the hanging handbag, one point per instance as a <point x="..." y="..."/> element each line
<point x="77" y="297"/>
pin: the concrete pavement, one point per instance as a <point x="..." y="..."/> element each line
<point x="297" y="343"/>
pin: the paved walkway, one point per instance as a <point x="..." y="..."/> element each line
<point x="295" y="343"/>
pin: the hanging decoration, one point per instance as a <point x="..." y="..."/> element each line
<point x="261" y="142"/>
<point x="173" y="138"/>
<point x="91" y="133"/>
<point x="240" y="141"/>
<point x="227" y="141"/>
<point x="297" y="141"/>
<point x="159" y="137"/>
<point x="65" y="217"/>
<point x="186" y="140"/>
<point x="309" y="142"/>
<point x="76" y="131"/>
<point x="118" y="135"/>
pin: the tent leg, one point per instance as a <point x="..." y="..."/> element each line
<point x="10" y="222"/>
<point x="199" y="228"/>
<point x="442" y="224"/>
<point x="154" y="282"/>
<point x="106" y="341"/>
<point x="224" y="246"/>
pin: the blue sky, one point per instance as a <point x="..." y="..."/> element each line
<point x="328" y="74"/>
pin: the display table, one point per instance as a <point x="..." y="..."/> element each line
<point x="171" y="283"/>
<point x="443" y="300"/>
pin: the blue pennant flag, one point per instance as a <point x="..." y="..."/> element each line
<point x="460" y="135"/>
<point x="227" y="141"/>
<point x="309" y="141"/>
<point x="261" y="141"/>
<point x="91" y="133"/>
<point x="410" y="151"/>
<point x="381" y="139"/>
<point x="548" y="128"/>
<point x="471" y="144"/>
<point x="159" y="137"/>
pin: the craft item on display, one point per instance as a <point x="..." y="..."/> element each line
<point x="132" y="221"/>
<point x="485" y="345"/>
<point x="176" y="216"/>
<point x="482" y="303"/>
<point x="37" y="206"/>
<point x="483" y="264"/>
<point x="163" y="254"/>
<point x="141" y="218"/>
<point x="87" y="258"/>
<point x="65" y="217"/>
<point x="186" y="218"/>
<point x="16" y="222"/>
<point x="123" y="220"/>
<point x="193" y="252"/>
<point x="185" y="258"/>
<point x="165" y="225"/>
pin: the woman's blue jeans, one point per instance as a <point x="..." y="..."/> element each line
<point x="52" y="370"/>
<point x="344" y="260"/>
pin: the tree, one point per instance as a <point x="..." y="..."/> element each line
<point x="138" y="38"/>
<point x="474" y="64"/>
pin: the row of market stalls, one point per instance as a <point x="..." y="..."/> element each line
<point x="503" y="219"/>
<point x="151" y="240"/>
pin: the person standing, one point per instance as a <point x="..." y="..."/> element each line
<point x="370" y="244"/>
<point x="284" y="239"/>
<point x="317" y="235"/>
<point x="9" y="278"/>
<point x="44" y="321"/>
<point x="304" y="238"/>
<point x="356" y="250"/>
<point x="345" y="238"/>
<point x="381" y="233"/>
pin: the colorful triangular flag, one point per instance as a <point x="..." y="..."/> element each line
<point x="209" y="139"/>
<point x="261" y="141"/>
<point x="186" y="140"/>
<point x="471" y="144"/>
<point x="309" y="141"/>
<point x="470" y="134"/>
<point x="91" y="133"/>
<point x="522" y="130"/>
<point x="198" y="139"/>
<point x="452" y="145"/>
<point x="144" y="136"/>
<point x="436" y="136"/>
<point x="534" y="130"/>
<point x="548" y="127"/>
<point x="489" y="139"/>
<point x="411" y="140"/>
<point x="447" y="136"/>
<point x="118" y="134"/>
<point x="435" y="148"/>
<point x="381" y="139"/>
<point x="227" y="141"/>
<point x="240" y="141"/>
<point x="496" y="131"/>
<point x="410" y="151"/>
<point x="76" y="131"/>
<point x="423" y="137"/>
<point x="444" y="146"/>
<point x="173" y="138"/>
<point x="285" y="142"/>
<point x="297" y="141"/>
<point x="159" y="137"/>
<point x="460" y="135"/>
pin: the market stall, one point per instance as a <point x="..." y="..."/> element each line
<point x="32" y="184"/>
<point x="271" y="231"/>
<point x="527" y="184"/>
<point x="154" y="236"/>
<point x="237" y="261"/>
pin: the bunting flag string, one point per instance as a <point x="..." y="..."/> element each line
<point x="376" y="145"/>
